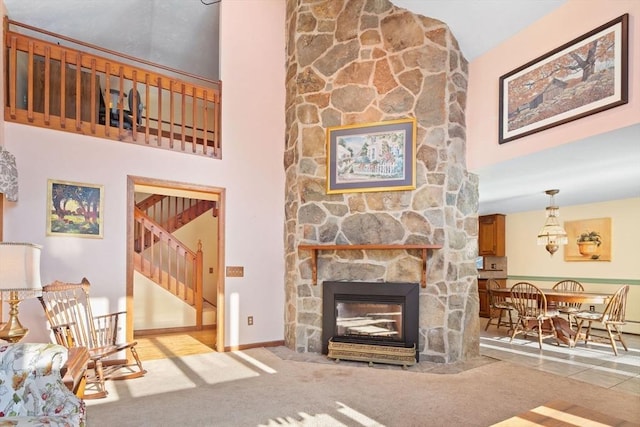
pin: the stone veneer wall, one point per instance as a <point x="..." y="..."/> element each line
<point x="364" y="61"/>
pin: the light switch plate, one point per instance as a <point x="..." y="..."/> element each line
<point x="235" y="271"/>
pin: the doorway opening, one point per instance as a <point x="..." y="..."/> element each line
<point x="160" y="299"/>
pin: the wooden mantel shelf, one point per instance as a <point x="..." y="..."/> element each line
<point x="373" y="247"/>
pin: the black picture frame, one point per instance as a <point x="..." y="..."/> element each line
<point x="585" y="76"/>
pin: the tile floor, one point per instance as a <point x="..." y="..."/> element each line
<point x="595" y="363"/>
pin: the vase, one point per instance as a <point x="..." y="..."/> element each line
<point x="587" y="248"/>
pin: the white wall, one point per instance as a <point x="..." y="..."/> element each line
<point x="533" y="263"/>
<point x="251" y="171"/>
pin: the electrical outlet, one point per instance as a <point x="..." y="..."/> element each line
<point x="592" y="308"/>
<point x="250" y="320"/>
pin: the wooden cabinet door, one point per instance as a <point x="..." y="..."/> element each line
<point x="491" y="235"/>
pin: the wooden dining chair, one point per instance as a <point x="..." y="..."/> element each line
<point x="498" y="304"/>
<point x="531" y="304"/>
<point x="569" y="308"/>
<point x="611" y="318"/>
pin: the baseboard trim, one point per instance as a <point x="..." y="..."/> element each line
<point x="254" y="345"/>
<point x="145" y="332"/>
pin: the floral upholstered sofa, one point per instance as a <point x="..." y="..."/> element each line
<point x="31" y="389"/>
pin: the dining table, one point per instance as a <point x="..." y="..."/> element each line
<point x="562" y="328"/>
<point x="555" y="295"/>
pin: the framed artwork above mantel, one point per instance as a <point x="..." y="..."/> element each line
<point x="372" y="157"/>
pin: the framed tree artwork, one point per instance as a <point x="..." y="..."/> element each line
<point x="74" y="209"/>
<point x="582" y="77"/>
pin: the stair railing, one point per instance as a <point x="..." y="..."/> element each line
<point x="168" y="262"/>
<point x="173" y="212"/>
<point x="57" y="87"/>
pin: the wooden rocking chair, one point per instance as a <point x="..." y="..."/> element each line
<point x="68" y="310"/>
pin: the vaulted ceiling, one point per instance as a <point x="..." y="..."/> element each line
<point x="183" y="34"/>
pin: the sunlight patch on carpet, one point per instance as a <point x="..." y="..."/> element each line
<point x="255" y="362"/>
<point x="180" y="373"/>
<point x="357" y="416"/>
<point x="324" y="420"/>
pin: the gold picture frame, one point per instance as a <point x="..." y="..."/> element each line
<point x="74" y="209"/>
<point x="589" y="240"/>
<point x="372" y="157"/>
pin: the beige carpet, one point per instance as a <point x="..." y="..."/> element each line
<point x="278" y="387"/>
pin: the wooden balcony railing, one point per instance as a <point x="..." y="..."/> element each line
<point x="57" y="87"/>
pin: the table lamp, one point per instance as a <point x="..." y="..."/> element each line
<point x="19" y="279"/>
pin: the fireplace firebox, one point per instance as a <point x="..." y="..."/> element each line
<point x="371" y="314"/>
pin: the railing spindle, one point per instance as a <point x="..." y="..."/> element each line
<point x="205" y="119"/>
<point x="30" y="83"/>
<point x="78" y="92"/>
<point x="171" y="113"/>
<point x="183" y="111"/>
<point x="120" y="102"/>
<point x="160" y="124"/>
<point x="47" y="86"/>
<point x="94" y="113"/>
<point x="147" y="102"/>
<point x="134" y="105"/>
<point x="63" y="92"/>
<point x="107" y="100"/>
<point x="13" y="71"/>
<point x="194" y="114"/>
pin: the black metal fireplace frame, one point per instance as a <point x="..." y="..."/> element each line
<point x="393" y="292"/>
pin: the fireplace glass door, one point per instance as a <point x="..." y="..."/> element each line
<point x="369" y="319"/>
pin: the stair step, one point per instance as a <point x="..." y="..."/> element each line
<point x="209" y="314"/>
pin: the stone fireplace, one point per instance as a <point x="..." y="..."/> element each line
<point x="367" y="61"/>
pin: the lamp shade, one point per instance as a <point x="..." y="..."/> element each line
<point x="19" y="266"/>
<point x="552" y="235"/>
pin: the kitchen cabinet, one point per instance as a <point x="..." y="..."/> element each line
<point x="491" y="235"/>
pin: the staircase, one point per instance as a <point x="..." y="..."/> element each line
<point x="164" y="259"/>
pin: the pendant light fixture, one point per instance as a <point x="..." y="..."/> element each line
<point x="552" y="235"/>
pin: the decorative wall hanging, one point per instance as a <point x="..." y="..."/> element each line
<point x="582" y="77"/>
<point x="371" y="157"/>
<point x="74" y="209"/>
<point x="8" y="175"/>
<point x="589" y="240"/>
